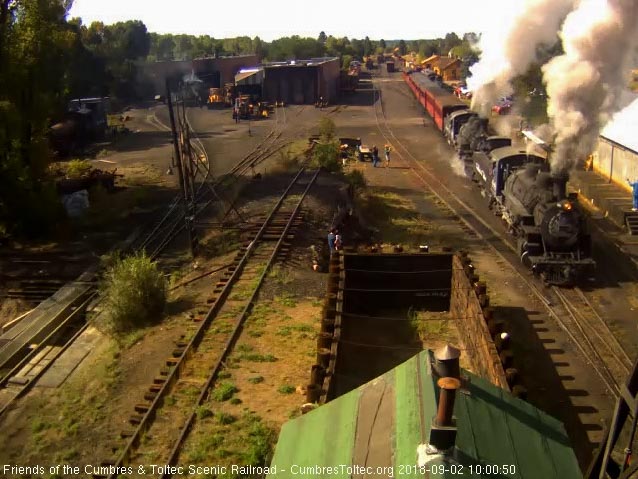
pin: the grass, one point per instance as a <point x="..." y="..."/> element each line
<point x="77" y="168"/>
<point x="222" y="242"/>
<point x="431" y="326"/>
<point x="256" y="357"/>
<point x="203" y="413"/>
<point x="281" y="275"/>
<point x="286" y="389"/>
<point x="224" y="391"/>
<point x="246" y="440"/>
<point x="286" y="299"/>
<point x="225" y="418"/>
<point x="256" y="380"/>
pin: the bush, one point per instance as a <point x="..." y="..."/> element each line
<point x="134" y="292"/>
<point x="356" y="179"/>
<point x="326" y="156"/>
<point x="77" y="168"/>
<point x="326" y="129"/>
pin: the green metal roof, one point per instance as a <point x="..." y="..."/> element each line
<point x="381" y="424"/>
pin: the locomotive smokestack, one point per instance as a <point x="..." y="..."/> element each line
<point x="560" y="185"/>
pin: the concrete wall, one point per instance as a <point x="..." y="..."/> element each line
<point x="329" y="85"/>
<point x="465" y="304"/>
<point x="615" y="162"/>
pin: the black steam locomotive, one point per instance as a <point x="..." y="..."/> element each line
<point x="551" y="231"/>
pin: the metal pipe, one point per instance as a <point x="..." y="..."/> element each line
<point x="446" y="401"/>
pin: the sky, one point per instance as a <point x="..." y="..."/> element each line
<point x="278" y="18"/>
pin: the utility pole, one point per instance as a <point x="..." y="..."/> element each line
<point x="176" y="149"/>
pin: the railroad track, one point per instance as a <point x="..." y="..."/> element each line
<point x="168" y="414"/>
<point x="172" y="223"/>
<point x="589" y="330"/>
<point x="571" y="309"/>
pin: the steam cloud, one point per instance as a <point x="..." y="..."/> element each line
<point x="510" y="47"/>
<point x="587" y="84"/>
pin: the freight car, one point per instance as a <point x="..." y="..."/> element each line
<point x="551" y="231"/>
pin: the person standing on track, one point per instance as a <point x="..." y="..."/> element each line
<point x="387" y="155"/>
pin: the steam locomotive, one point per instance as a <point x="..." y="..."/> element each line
<point x="551" y="231"/>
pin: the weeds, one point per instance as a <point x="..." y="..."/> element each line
<point x="256" y="380"/>
<point x="225" y="418"/>
<point x="287" y="300"/>
<point x="77" y="168"/>
<point x="257" y="358"/>
<point x="286" y="389"/>
<point x="203" y="412"/>
<point x="224" y="392"/>
<point x="280" y="275"/>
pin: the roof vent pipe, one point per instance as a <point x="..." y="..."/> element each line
<point x="443" y="430"/>
<point x="446" y="362"/>
<point x="446" y="400"/>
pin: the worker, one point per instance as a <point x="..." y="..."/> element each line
<point x="387" y="155"/>
<point x="375" y="156"/>
<point x="634" y="187"/>
<point x="331" y="240"/>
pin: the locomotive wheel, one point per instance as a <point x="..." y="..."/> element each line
<point x="525" y="259"/>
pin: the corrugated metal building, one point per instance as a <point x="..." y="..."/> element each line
<point x="302" y="81"/>
<point x="386" y="424"/>
<point x="616" y="156"/>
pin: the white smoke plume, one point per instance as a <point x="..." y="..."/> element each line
<point x="510" y="47"/>
<point x="588" y="83"/>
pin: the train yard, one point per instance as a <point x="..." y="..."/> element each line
<point x="175" y="393"/>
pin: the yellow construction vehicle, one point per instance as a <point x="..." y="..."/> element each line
<point x="216" y="98"/>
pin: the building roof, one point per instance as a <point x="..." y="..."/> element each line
<point x="301" y="63"/>
<point x="622" y="128"/>
<point x="243" y="74"/>
<point x="430" y="59"/>
<point x="382" y="423"/>
<point x="446" y="62"/>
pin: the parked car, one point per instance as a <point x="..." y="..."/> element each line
<point x="502" y="107"/>
<point x="462" y="91"/>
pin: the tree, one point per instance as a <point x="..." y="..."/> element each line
<point x="322" y="37"/>
<point x="382" y="44"/>
<point x="450" y="41"/>
<point x="367" y="47"/>
<point x="165" y="48"/>
<point x="259" y="48"/>
<point x="403" y="49"/>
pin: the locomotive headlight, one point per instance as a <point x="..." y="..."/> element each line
<point x="565" y="205"/>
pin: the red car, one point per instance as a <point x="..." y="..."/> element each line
<point x="502" y="108"/>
